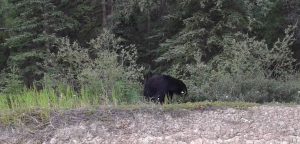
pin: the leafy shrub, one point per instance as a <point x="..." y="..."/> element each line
<point x="246" y="70"/>
<point x="10" y="80"/>
<point x="106" y="69"/>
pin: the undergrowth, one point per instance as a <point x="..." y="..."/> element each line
<point x="63" y="98"/>
<point x="34" y="108"/>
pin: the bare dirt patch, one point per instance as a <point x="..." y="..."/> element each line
<point x="260" y="124"/>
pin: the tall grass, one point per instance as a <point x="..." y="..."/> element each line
<point x="31" y="104"/>
<point x="63" y="98"/>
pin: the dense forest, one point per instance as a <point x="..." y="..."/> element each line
<point x="225" y="50"/>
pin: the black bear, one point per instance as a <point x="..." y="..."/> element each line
<point x="157" y="86"/>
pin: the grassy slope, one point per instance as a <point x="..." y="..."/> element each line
<point x="38" y="107"/>
<point x="41" y="115"/>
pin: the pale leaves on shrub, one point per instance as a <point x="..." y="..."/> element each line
<point x="101" y="68"/>
<point x="244" y="70"/>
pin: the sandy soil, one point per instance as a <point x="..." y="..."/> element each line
<point x="257" y="125"/>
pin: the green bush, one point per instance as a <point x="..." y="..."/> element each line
<point x="10" y="80"/>
<point x="255" y="89"/>
<point x="105" y="69"/>
<point x="247" y="70"/>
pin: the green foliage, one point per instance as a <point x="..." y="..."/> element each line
<point x="242" y="55"/>
<point x="206" y="24"/>
<point x="269" y="21"/>
<point x="140" y="22"/>
<point x="281" y="59"/>
<point x="47" y="99"/>
<point x="86" y="15"/>
<point x="34" y="25"/>
<point x="34" y="22"/>
<point x="11" y="81"/>
<point x="246" y="70"/>
<point x="106" y="73"/>
<point x="4" y="22"/>
<point x="223" y="49"/>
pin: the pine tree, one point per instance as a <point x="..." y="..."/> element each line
<point x="36" y="23"/>
<point x="206" y="23"/>
<point x="140" y="22"/>
<point x="4" y="51"/>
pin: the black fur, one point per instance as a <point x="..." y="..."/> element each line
<point x="157" y="86"/>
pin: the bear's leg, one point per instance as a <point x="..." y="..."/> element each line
<point x="161" y="97"/>
<point x="153" y="98"/>
<point x="170" y="96"/>
<point x="162" y="100"/>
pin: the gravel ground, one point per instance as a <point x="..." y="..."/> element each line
<point x="257" y="125"/>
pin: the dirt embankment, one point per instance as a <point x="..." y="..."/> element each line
<point x="262" y="124"/>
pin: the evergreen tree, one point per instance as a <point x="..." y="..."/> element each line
<point x="206" y="23"/>
<point x="140" y="22"/>
<point x="36" y="23"/>
<point x="4" y="51"/>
